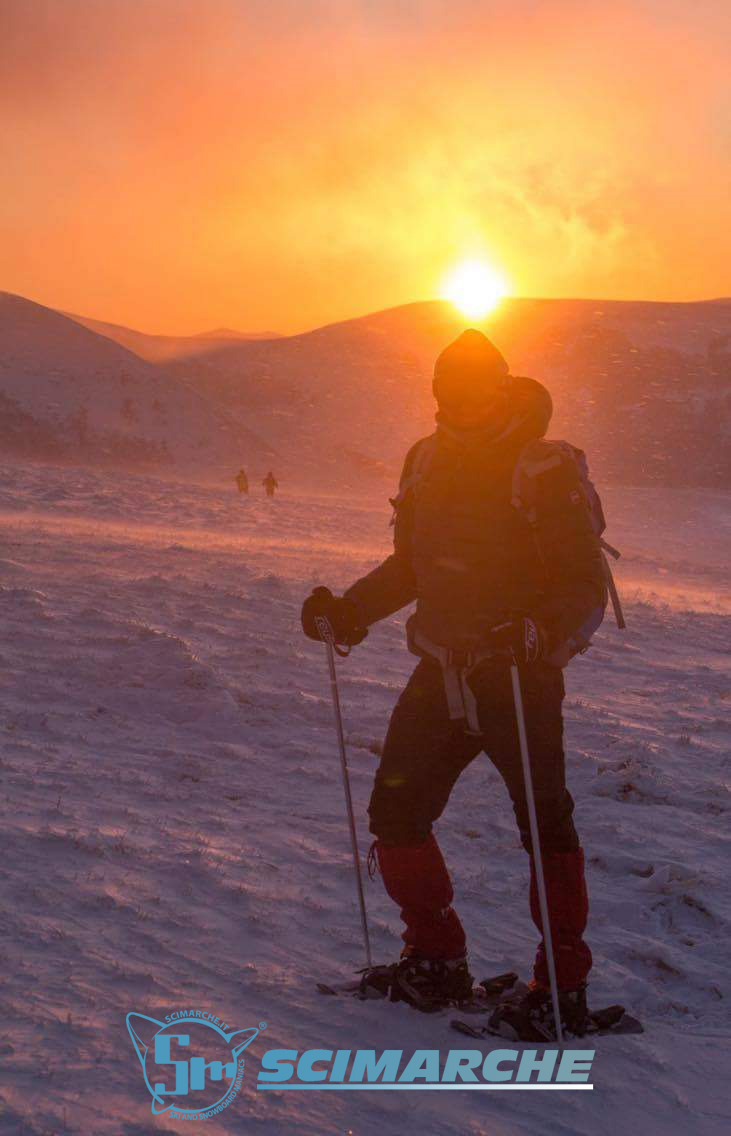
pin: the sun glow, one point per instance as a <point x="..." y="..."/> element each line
<point x="474" y="288"/>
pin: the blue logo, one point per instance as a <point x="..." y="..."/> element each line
<point x="189" y="1064"/>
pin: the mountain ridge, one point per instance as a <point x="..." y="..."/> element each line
<point x="159" y="348"/>
<point x="643" y="386"/>
<point x="68" y="392"/>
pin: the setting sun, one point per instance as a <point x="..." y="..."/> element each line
<point x="474" y="288"/>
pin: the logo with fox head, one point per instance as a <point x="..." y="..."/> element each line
<point x="188" y="1061"/>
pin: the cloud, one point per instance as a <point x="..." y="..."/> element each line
<point x="177" y="164"/>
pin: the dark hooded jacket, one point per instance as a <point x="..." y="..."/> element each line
<point x="470" y="558"/>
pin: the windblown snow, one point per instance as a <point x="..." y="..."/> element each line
<point x="174" y="833"/>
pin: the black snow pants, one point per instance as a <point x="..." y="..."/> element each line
<point x="423" y="756"/>
<point x="425" y="753"/>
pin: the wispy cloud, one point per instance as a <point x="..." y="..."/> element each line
<point x="176" y="163"/>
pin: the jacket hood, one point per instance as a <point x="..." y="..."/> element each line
<point x="533" y="406"/>
<point x="529" y="412"/>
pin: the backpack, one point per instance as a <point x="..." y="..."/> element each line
<point x="535" y="458"/>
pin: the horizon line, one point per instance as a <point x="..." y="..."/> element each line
<point x="269" y="336"/>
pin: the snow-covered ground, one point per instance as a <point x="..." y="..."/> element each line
<point x="173" y="832"/>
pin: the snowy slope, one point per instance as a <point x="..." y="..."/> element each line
<point x="173" y="825"/>
<point x="644" y="387"/>
<point x="67" y="392"/>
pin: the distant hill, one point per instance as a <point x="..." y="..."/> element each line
<point x="67" y="393"/>
<point x="218" y="333"/>
<point x="158" y="348"/>
<point x="644" y="387"/>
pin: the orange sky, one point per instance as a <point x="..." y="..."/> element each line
<point x="184" y="164"/>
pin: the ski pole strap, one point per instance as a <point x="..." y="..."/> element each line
<point x="372" y="861"/>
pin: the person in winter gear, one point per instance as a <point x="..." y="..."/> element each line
<point x="242" y="481"/>
<point x="491" y="583"/>
<point x="342" y="615"/>
<point x="270" y="483"/>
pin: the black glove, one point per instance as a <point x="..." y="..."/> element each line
<point x="521" y="636"/>
<point x="342" y="615"/>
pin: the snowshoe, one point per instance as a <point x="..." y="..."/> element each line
<point x="426" y="984"/>
<point x="378" y="982"/>
<point x="525" y="1013"/>
<point x="431" y="984"/>
<point x="530" y="1017"/>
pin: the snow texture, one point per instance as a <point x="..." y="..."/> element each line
<point x="173" y="824"/>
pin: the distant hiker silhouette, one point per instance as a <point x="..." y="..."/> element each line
<point x="242" y="481"/>
<point x="270" y="483"/>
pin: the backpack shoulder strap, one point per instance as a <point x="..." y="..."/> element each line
<point x="422" y="454"/>
<point x="416" y="467"/>
<point x="535" y="458"/>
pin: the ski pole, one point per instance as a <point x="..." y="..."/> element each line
<point x="536" y="843"/>
<point x="326" y="634"/>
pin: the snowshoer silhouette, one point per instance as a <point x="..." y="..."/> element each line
<point x="270" y="483"/>
<point x="242" y="481"/>
<point x="492" y="582"/>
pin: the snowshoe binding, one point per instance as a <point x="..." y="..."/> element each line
<point x="426" y="984"/>
<point x="431" y="984"/>
<point x="525" y="1013"/>
<point x="529" y="1017"/>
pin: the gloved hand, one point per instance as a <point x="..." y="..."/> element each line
<point x="341" y="614"/>
<point x="521" y="636"/>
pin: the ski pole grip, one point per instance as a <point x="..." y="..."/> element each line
<point x="324" y="628"/>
